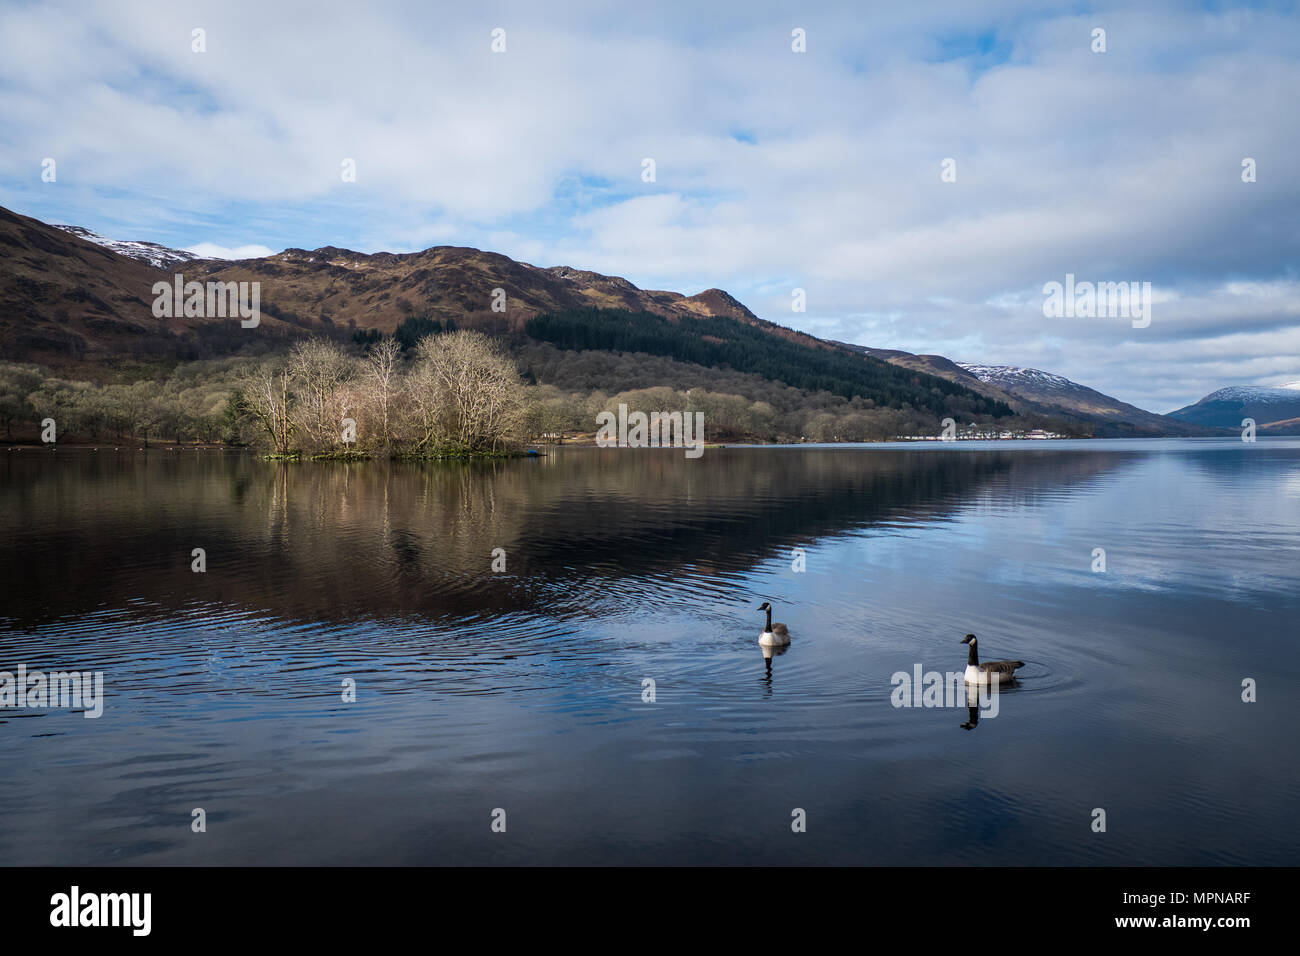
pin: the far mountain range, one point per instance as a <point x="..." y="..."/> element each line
<point x="71" y="297"/>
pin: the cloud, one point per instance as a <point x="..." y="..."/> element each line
<point x="210" y="250"/>
<point x="774" y="170"/>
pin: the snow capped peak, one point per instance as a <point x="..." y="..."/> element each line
<point x="1227" y="407"/>
<point x="1013" y="374"/>
<point x="155" y="255"/>
<point x="1255" y="393"/>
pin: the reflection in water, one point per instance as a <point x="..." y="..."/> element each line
<point x="985" y="697"/>
<point x="523" y="687"/>
<point x="338" y="541"/>
<point x="972" y="707"/>
<point x="770" y="651"/>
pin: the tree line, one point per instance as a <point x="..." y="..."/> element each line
<point x="723" y="342"/>
<point x="436" y="391"/>
<point x="454" y="394"/>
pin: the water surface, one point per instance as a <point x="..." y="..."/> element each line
<point x="523" y="689"/>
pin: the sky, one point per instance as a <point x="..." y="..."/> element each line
<point x="774" y="170"/>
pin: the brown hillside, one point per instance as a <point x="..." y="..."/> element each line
<point x="67" y="300"/>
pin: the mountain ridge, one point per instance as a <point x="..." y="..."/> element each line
<point x="1035" y="392"/>
<point x="95" y="306"/>
<point x="1275" y="407"/>
<point x="151" y="252"/>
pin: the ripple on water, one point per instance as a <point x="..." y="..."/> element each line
<point x="225" y="687"/>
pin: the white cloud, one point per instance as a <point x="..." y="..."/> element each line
<point x="210" y="250"/>
<point x="1123" y="166"/>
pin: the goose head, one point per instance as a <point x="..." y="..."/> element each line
<point x="969" y="639"/>
<point x="765" y="606"/>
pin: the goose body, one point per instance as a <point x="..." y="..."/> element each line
<point x="989" y="672"/>
<point x="774" y="635"/>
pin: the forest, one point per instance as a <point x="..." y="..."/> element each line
<point x="722" y="342"/>
<point x="432" y="389"/>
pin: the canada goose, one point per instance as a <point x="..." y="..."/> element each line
<point x="773" y="634"/>
<point x="990" y="672"/>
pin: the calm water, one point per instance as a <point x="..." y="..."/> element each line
<point x="522" y="690"/>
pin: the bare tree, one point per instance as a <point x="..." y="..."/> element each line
<point x="382" y="361"/>
<point x="318" y="368"/>
<point x="466" y="396"/>
<point x="264" y="394"/>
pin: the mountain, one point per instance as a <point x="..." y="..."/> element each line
<point x="150" y="252"/>
<point x="1289" y="426"/>
<point x="1025" y="381"/>
<point x="1033" y="392"/>
<point x="1227" y="407"/>
<point x="937" y="366"/>
<point x="1057" y="394"/>
<point x="66" y="299"/>
<point x="75" y="298"/>
<point x="339" y="287"/>
<point x="71" y="296"/>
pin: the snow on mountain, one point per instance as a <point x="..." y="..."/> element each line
<point x="1265" y="394"/>
<point x="159" y="256"/>
<point x="1056" y="394"/>
<point x="1006" y="376"/>
<point x="1228" y="407"/>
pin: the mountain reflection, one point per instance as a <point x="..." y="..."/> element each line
<point x="332" y="541"/>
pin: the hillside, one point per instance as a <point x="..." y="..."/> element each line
<point x="1033" y="392"/>
<point x="1228" y="407"/>
<point x="148" y="252"/>
<point x="76" y="299"/>
<point x="67" y="300"/>
<point x="1289" y="426"/>
<point x="71" y="296"/>
<point x="724" y="342"/>
<point x="1058" y="395"/>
